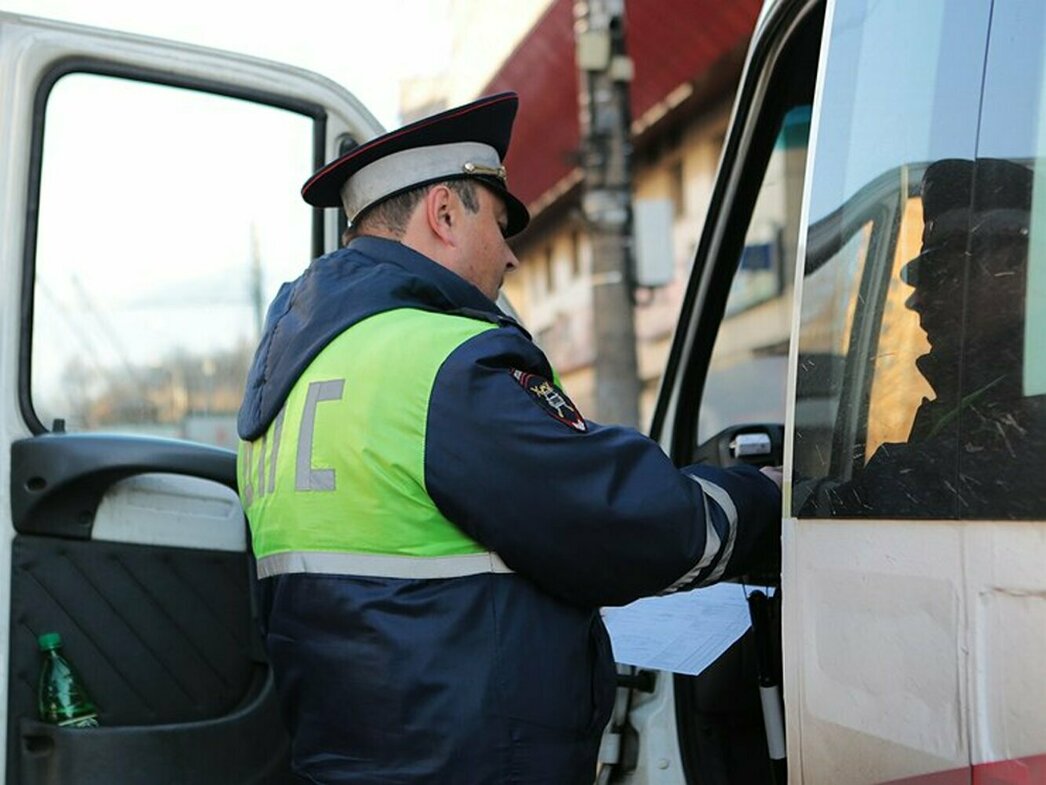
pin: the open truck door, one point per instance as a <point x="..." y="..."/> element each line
<point x="150" y="209"/>
<point x="724" y="400"/>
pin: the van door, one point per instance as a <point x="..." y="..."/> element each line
<point x="151" y="211"/>
<point x="887" y="633"/>
<point x="727" y="374"/>
<point x="918" y="500"/>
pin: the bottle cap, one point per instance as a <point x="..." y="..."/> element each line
<point x="49" y="641"/>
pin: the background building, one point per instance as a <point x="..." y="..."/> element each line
<point x="681" y="96"/>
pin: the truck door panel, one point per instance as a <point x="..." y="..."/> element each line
<point x="163" y="634"/>
<point x="134" y="316"/>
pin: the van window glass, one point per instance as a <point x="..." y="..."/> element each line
<point x="1013" y="128"/>
<point x="901" y="96"/>
<point x="826" y="334"/>
<point x="168" y="218"/>
<point x="1001" y="410"/>
<point x="748" y="368"/>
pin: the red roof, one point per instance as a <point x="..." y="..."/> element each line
<point x="671" y="42"/>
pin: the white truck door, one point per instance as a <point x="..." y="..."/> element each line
<point x="151" y="209"/>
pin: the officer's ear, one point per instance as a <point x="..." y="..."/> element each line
<point x="442" y="214"/>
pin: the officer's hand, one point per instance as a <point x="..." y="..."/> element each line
<point x="775" y="473"/>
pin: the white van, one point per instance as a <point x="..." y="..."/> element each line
<point x="898" y="331"/>
<point x="869" y="297"/>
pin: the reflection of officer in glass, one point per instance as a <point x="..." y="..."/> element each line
<point x="969" y="284"/>
<point x="989" y="279"/>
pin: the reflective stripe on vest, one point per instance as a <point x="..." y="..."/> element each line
<point x="377" y="565"/>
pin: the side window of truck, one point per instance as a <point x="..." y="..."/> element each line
<point x="918" y="373"/>
<point x="167" y="217"/>
<point x="738" y="312"/>
<point x="748" y="367"/>
<point x="748" y="286"/>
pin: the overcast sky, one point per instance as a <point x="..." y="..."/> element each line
<point x="366" y="46"/>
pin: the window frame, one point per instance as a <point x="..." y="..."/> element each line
<point x="759" y="110"/>
<point x="101" y="67"/>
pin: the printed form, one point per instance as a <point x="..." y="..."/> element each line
<point x="683" y="632"/>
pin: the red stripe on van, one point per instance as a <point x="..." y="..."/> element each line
<point x="1030" y="770"/>
<point x="1019" y="771"/>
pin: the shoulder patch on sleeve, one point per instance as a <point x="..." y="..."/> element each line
<point x="551" y="399"/>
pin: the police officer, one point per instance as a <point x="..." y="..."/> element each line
<point x="435" y="522"/>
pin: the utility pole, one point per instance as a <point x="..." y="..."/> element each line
<point x="606" y="202"/>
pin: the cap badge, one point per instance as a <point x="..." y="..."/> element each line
<point x="480" y="170"/>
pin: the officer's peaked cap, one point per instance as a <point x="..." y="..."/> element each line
<point x="991" y="187"/>
<point x="989" y="196"/>
<point x="467" y="141"/>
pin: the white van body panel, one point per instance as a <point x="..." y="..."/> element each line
<point x="913" y="650"/>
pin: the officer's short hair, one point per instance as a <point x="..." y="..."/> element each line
<point x="392" y="215"/>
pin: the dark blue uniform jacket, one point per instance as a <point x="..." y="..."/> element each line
<point x="491" y="678"/>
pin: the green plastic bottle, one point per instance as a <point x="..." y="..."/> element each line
<point x="61" y="695"/>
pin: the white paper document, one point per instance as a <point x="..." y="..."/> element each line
<point x="682" y="633"/>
